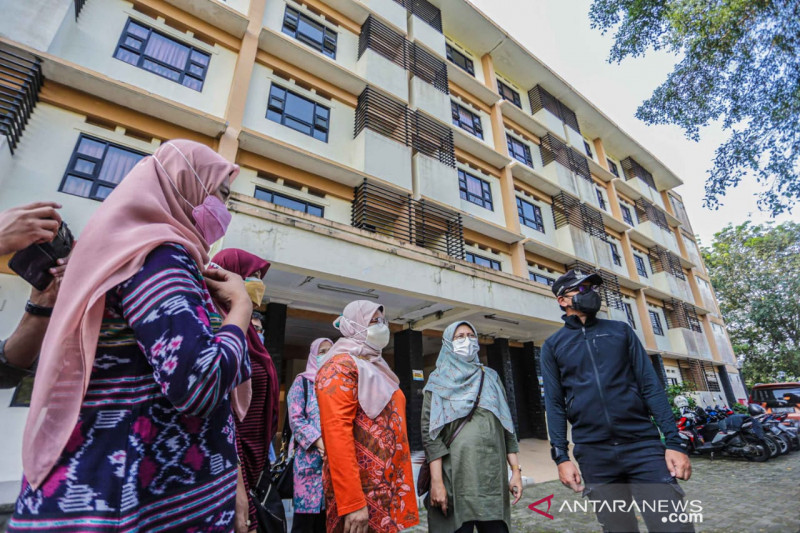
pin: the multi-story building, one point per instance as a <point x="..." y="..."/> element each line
<point x="404" y="151"/>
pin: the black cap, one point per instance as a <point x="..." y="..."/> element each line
<point x="573" y="278"/>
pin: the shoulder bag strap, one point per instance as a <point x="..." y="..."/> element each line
<point x="469" y="416"/>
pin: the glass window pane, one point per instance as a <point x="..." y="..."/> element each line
<point x="197" y="70"/>
<point x="77" y="186"/>
<point x="138" y="30"/>
<point x="127" y="56"/>
<point x="84" y="166"/>
<point x="314" y="210"/>
<point x="261" y="194"/>
<point x="200" y="57"/>
<point x="291" y="203"/>
<point x="299" y="126"/>
<point x="299" y="108"/>
<point x="91" y="148"/>
<point x="133" y="42"/>
<point x="311" y="31"/>
<point x="161" y="70"/>
<point x="103" y="192"/>
<point x="192" y="83"/>
<point x="117" y="163"/>
<point x="167" y="51"/>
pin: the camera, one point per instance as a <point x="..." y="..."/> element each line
<point x="34" y="262"/>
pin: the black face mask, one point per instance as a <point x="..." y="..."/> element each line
<point x="588" y="302"/>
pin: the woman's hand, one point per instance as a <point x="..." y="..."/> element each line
<point x="515" y="486"/>
<point x="226" y="287"/>
<point x="242" y="516"/>
<point x="320" y="446"/>
<point x="357" y="521"/>
<point x="439" y="495"/>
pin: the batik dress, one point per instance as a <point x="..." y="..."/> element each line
<point x="358" y="448"/>
<point x="153" y="448"/>
<point x="304" y="421"/>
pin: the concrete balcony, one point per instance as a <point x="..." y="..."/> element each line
<point x="229" y="15"/>
<point x="605" y="258"/>
<point x="384" y="157"/>
<point x="435" y="180"/>
<point x="676" y="287"/>
<point x="576" y="242"/>
<point x="689" y="342"/>
<point x="389" y="10"/>
<point x="658" y="235"/>
<point x="663" y="343"/>
<point x="381" y="72"/>
<point x="428" y="98"/>
<point x="559" y="175"/>
<point x="425" y="34"/>
<point x="652" y="196"/>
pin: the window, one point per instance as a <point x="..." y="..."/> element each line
<point x="466" y="120"/>
<point x="96" y="167"/>
<point x="530" y="215"/>
<point x="629" y="314"/>
<point x="601" y="201"/>
<point x="150" y="50"/>
<point x="519" y="150"/>
<point x="538" y="278"/>
<point x="672" y="381"/>
<point x="308" y="31"/>
<point x="508" y="93"/>
<point x="612" y="167"/>
<point x="655" y="320"/>
<point x="588" y="149"/>
<point x="640" y="268"/>
<point x="287" y="201"/>
<point x="615" y="253"/>
<point x="483" y="261"/>
<point x="626" y="214"/>
<point x="460" y="60"/>
<point x="475" y="190"/>
<point x="298" y="113"/>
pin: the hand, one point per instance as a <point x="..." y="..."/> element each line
<point x="439" y="495"/>
<point x="515" y="486"/>
<point x="569" y="476"/>
<point x="678" y="464"/>
<point x="320" y="446"/>
<point x="357" y="521"/>
<point x="47" y="297"/>
<point x="242" y="507"/>
<point x="227" y="288"/>
<point x="22" y="226"/>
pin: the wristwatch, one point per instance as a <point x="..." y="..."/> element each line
<point x="38" y="310"/>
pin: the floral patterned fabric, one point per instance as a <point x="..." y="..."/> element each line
<point x="304" y="421"/>
<point x="153" y="448"/>
<point x="368" y="460"/>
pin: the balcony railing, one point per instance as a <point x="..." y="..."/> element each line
<point x="78" y="7"/>
<point x="21" y="80"/>
<point x="386" y="42"/>
<point x="554" y="150"/>
<point x="390" y="118"/>
<point x="384" y="211"/>
<point x="609" y="290"/>
<point x="569" y="210"/>
<point x="700" y="374"/>
<point x="681" y="315"/>
<point x="541" y="99"/>
<point x="632" y="169"/>
<point x="646" y="211"/>
<point x="662" y="260"/>
<point x="426" y="11"/>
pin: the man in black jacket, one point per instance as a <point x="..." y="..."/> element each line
<point x="598" y="377"/>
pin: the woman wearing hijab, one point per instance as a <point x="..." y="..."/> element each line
<point x="255" y="426"/>
<point x="367" y="475"/>
<point x="309" y="505"/>
<point x="469" y="484"/>
<point x="130" y="426"/>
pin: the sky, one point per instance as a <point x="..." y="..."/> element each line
<point x="559" y="34"/>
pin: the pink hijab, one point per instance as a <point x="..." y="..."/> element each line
<point x="143" y="212"/>
<point x="311" y="365"/>
<point x="376" y="381"/>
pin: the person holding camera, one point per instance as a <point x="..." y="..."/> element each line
<point x="20" y="228"/>
<point x="130" y="425"/>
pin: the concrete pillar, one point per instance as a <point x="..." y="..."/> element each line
<point x="408" y="366"/>
<point x="726" y="385"/>
<point x="644" y="318"/>
<point x="501" y="360"/>
<point x="532" y="391"/>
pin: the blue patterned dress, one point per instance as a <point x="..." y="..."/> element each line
<point x="304" y="421"/>
<point x="154" y="445"/>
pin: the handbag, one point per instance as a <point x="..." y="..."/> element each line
<point x="270" y="515"/>
<point x="424" y="476"/>
<point x="282" y="475"/>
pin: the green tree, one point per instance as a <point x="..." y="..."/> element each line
<point x="740" y="65"/>
<point x="755" y="270"/>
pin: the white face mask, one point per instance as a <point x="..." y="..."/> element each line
<point x="378" y="336"/>
<point x="466" y="348"/>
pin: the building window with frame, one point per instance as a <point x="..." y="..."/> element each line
<point x="309" y="32"/>
<point x="601" y="201"/>
<point x="153" y="51"/>
<point x="612" y="167"/>
<point x="530" y="215"/>
<point x="519" y="150"/>
<point x="615" y="253"/>
<point x="475" y="190"/>
<point x="483" y="261"/>
<point x="655" y="320"/>
<point x="96" y="167"/>
<point x="629" y="314"/>
<point x="538" y="278"/>
<point x="298" y="113"/>
<point x="466" y="120"/>
<point x="507" y="93"/>
<point x="588" y="149"/>
<point x="641" y="269"/>
<point x="626" y="214"/>
<point x="460" y="60"/>
<point x="289" y="202"/>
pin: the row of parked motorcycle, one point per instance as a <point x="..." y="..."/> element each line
<point x="718" y="431"/>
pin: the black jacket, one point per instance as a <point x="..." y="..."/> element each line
<point x="599" y="377"/>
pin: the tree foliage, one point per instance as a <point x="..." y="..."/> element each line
<point x="755" y="270"/>
<point x="740" y="65"/>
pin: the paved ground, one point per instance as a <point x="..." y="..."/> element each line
<point x="736" y="496"/>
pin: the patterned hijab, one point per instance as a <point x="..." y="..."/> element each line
<point x="454" y="386"/>
<point x="376" y="381"/>
<point x="313" y="365"/>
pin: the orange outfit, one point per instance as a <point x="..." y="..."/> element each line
<point x="368" y="461"/>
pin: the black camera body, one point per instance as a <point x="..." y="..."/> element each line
<point x="34" y="262"/>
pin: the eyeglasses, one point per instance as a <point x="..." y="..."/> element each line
<point x="378" y="320"/>
<point x="460" y="336"/>
<point x="581" y="289"/>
